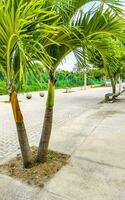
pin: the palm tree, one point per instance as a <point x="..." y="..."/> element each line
<point x="109" y="53"/>
<point x="22" y="25"/>
<point x="78" y="28"/>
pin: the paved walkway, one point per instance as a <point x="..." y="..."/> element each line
<point x="67" y="107"/>
<point x="94" y="135"/>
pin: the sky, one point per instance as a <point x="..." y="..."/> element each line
<point x="68" y="63"/>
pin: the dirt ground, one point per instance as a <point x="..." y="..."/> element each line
<point x="38" y="174"/>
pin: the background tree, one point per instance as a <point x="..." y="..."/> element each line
<point x="109" y="58"/>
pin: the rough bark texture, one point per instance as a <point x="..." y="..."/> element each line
<point x="46" y="132"/>
<point x="22" y="136"/>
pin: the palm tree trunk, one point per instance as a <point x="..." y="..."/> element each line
<point x="47" y="125"/>
<point x="22" y="136"/>
<point x="113" y="87"/>
<point x="113" y="81"/>
<point x="120" y="84"/>
<point x="85" y="80"/>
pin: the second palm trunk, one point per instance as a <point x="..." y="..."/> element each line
<point x="47" y="125"/>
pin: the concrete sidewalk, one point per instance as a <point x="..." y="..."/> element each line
<point x="96" y="170"/>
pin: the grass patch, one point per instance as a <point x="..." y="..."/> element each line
<point x="38" y="174"/>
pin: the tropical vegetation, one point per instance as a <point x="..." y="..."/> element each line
<point x="64" y="79"/>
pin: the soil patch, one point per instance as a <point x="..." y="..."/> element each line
<point x="38" y="174"/>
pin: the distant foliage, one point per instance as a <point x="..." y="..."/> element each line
<point x="64" y="79"/>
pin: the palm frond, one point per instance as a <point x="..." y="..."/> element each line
<point x="22" y="27"/>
